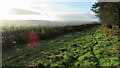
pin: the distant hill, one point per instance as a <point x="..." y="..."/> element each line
<point x="40" y="22"/>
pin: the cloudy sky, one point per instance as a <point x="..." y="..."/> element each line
<point x="47" y="10"/>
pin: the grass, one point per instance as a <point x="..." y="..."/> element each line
<point x="88" y="47"/>
<point x="13" y="35"/>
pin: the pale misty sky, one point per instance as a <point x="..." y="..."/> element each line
<point x="47" y="10"/>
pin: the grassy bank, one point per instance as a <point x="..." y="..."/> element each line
<point x="75" y="48"/>
<point x="12" y="36"/>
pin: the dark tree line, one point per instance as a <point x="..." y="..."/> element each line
<point x="108" y="13"/>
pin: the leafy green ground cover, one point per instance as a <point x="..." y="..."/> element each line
<point x="13" y="35"/>
<point x="89" y="47"/>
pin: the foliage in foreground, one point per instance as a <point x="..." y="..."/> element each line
<point x="89" y="47"/>
<point x="12" y="36"/>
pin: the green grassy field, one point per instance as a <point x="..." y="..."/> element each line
<point x="88" y="47"/>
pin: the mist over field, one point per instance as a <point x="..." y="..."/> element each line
<point x="40" y="22"/>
